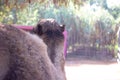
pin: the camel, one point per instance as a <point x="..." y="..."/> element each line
<point x="32" y="56"/>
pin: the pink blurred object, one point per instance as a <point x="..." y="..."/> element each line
<point x="26" y="28"/>
<point x="65" y="42"/>
<point x="29" y="28"/>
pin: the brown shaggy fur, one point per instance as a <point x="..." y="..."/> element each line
<point x="24" y="56"/>
<point x="52" y="34"/>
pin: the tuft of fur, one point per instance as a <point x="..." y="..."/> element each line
<point x="24" y="56"/>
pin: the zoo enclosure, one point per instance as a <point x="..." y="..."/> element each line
<point x="100" y="43"/>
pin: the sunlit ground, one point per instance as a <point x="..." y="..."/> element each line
<point x="92" y="70"/>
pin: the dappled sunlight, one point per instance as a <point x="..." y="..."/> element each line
<point x="112" y="3"/>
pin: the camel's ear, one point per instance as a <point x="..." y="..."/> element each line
<point x="62" y="27"/>
<point x="38" y="29"/>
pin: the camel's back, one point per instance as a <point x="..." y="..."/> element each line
<point x="23" y="56"/>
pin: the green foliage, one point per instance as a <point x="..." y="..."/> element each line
<point x="90" y="24"/>
<point x="28" y="16"/>
<point x="5" y="14"/>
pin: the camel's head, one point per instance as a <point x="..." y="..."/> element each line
<point x="49" y="30"/>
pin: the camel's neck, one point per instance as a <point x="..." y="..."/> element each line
<point x="55" y="49"/>
<point x="56" y="52"/>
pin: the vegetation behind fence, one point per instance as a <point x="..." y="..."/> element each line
<point x="92" y="25"/>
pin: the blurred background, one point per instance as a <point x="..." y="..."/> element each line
<point x="92" y="25"/>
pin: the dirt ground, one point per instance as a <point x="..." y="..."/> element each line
<point x="84" y="69"/>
